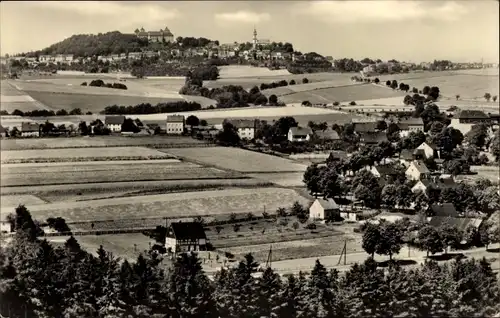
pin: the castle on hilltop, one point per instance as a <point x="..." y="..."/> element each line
<point x="155" y="36"/>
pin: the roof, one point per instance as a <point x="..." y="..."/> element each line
<point x="472" y="114"/>
<point x="444" y="209"/>
<point x="421" y="167"/>
<point x="2" y="129"/>
<point x="419" y="152"/>
<point x="439" y="184"/>
<point x="460" y="223"/>
<point x="301" y="131"/>
<point x="28" y="126"/>
<point x="114" y="120"/>
<point x="386" y="169"/>
<point x="406" y="154"/>
<point x="188" y="230"/>
<point x="242" y="123"/>
<point x="327" y="134"/>
<point x="327" y="204"/>
<point x="374" y="137"/>
<point x="430" y="144"/>
<point x="175" y="119"/>
<point x="411" y="121"/>
<point x="365" y="127"/>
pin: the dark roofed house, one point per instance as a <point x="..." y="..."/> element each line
<point x="383" y="171"/>
<point x="185" y="237"/>
<point x="245" y="127"/>
<point x="114" y="123"/>
<point x="366" y="127"/>
<point x="459" y="222"/>
<point x="328" y="134"/>
<point x="30" y="129"/>
<point x="406" y="157"/>
<point x="410" y="124"/>
<point x="373" y="138"/>
<point x="467" y="116"/>
<point x="299" y="134"/>
<point x="323" y="209"/>
<point x="443" y="209"/>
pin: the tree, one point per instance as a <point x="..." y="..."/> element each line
<point x="331" y="183"/>
<point x="495" y="146"/>
<point x="457" y="97"/>
<point x="456" y="166"/>
<point x="389" y="196"/>
<point x="495" y="98"/>
<point x="390" y="239"/>
<point x="305" y="80"/>
<point x="376" y="80"/>
<point x="192" y="121"/>
<point x="487" y="96"/>
<point x="451" y="237"/>
<point x="371" y="237"/>
<point x="388" y="83"/>
<point x="130" y="126"/>
<point x="429" y="240"/>
<point x="312" y="178"/>
<point x="281" y="212"/>
<point x="292" y="82"/>
<point x="228" y="135"/>
<point x="273" y="99"/>
<point x="477" y="135"/>
<point x="381" y="125"/>
<point x="426" y="90"/>
<point x="394" y="84"/>
<point x="203" y="122"/>
<point x="268" y="293"/>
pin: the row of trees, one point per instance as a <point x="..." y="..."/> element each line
<point x="46" y="113"/>
<point x="100" y="83"/>
<point x="38" y="280"/>
<point x="146" y="108"/>
<point x="281" y="83"/>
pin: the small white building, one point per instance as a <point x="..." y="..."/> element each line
<point x="408" y="125"/>
<point x="417" y="171"/>
<point x="5" y="226"/>
<point x="323" y="209"/>
<point x="300" y="134"/>
<point x="114" y="123"/>
<point x="175" y="124"/>
<point x="245" y="127"/>
<point x="30" y="129"/>
<point x="430" y="150"/>
<point x="348" y="215"/>
<point x="185" y="237"/>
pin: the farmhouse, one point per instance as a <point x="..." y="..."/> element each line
<point x="155" y="36"/>
<point x="299" y="134"/>
<point x="365" y="127"/>
<point x="245" y="127"/>
<point x="408" y="125"/>
<point x="417" y="171"/>
<point x="30" y="130"/>
<point x="3" y="131"/>
<point x="175" y="124"/>
<point x="327" y="135"/>
<point x="185" y="237"/>
<point x="473" y="117"/>
<point x="461" y="223"/>
<point x="323" y="209"/>
<point x="372" y="138"/>
<point x="383" y="171"/>
<point x="429" y="150"/>
<point x="436" y="183"/>
<point x="114" y="123"/>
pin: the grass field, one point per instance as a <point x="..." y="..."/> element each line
<point x="67" y="155"/>
<point x="184" y="204"/>
<point x="15" y="200"/>
<point x="293" y="179"/>
<point x="237" y="159"/>
<point x="115" y="172"/>
<point x="236" y="71"/>
<point x="96" y="141"/>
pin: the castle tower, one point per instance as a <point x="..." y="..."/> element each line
<point x="254" y="38"/>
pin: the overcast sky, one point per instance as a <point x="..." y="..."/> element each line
<point x="404" y="30"/>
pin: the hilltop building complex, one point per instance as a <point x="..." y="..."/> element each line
<point x="155" y="36"/>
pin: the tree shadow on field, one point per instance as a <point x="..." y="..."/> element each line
<point x="400" y="262"/>
<point x="493" y="250"/>
<point x="447" y="257"/>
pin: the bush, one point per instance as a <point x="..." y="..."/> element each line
<point x="84" y="84"/>
<point x="336" y="103"/>
<point x="97" y="83"/>
<point x="292" y="82"/>
<point x="311" y="226"/>
<point x="305" y="80"/>
<point x="353" y="103"/>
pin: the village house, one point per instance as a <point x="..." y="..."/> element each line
<point x="175" y="124"/>
<point x="114" y="123"/>
<point x="429" y="150"/>
<point x="435" y="183"/>
<point x="3" y="131"/>
<point x="155" y="36"/>
<point x="383" y="171"/>
<point x="406" y="156"/>
<point x="461" y="223"/>
<point x="417" y="171"/>
<point x="46" y="58"/>
<point x="473" y="117"/>
<point x="323" y="209"/>
<point x="29" y="129"/>
<point x="327" y="135"/>
<point x="372" y="138"/>
<point x="185" y="237"/>
<point x="365" y="127"/>
<point x="134" y="55"/>
<point x="408" y="125"/>
<point x="245" y="127"/>
<point x="299" y="134"/>
<point x="5" y="225"/>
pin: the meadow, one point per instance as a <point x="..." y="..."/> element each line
<point x="293" y="179"/>
<point x="185" y="204"/>
<point x="237" y="159"/>
<point x="15" y="200"/>
<point x="96" y="173"/>
<point x="94" y="154"/>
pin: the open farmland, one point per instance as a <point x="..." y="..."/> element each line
<point x="96" y="141"/>
<point x="186" y="204"/>
<point x="236" y="71"/>
<point x="237" y="159"/>
<point x="293" y="179"/>
<point x="290" y="89"/>
<point x="12" y="99"/>
<point x="15" y="200"/>
<point x="114" y="172"/>
<point x="75" y="154"/>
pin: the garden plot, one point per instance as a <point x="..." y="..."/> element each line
<point x="185" y="204"/>
<point x="96" y="141"/>
<point x="75" y="154"/>
<point x="95" y="173"/>
<point x="15" y="200"/>
<point x="237" y="159"/>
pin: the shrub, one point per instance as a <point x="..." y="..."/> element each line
<point x="84" y="84"/>
<point x="311" y="226"/>
<point x="97" y="83"/>
<point x="336" y="103"/>
<point x="292" y="82"/>
<point x="388" y="83"/>
<point x="305" y="80"/>
<point x="353" y="103"/>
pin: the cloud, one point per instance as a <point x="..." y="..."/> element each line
<point x="242" y="17"/>
<point x="379" y="11"/>
<point x="126" y="13"/>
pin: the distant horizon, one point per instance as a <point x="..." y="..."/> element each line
<point x="411" y="31"/>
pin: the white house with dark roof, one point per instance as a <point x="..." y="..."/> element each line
<point x="245" y="127"/>
<point x="417" y="171"/>
<point x="114" y="123"/>
<point x="299" y="134"/>
<point x="323" y="209"/>
<point x="411" y="124"/>
<point x="30" y="129"/>
<point x="436" y="183"/>
<point x="429" y="150"/>
<point x="175" y="124"/>
<point x="184" y="237"/>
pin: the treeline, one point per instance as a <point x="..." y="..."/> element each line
<point x="281" y="83"/>
<point x="46" y="113"/>
<point x="146" y="108"/>
<point x="193" y="42"/>
<point x="39" y="280"/>
<point x="100" y="83"/>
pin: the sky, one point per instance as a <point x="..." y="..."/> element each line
<point x="415" y="31"/>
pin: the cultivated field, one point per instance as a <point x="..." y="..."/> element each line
<point x="15" y="200"/>
<point x="236" y="71"/>
<point x="293" y="179"/>
<point x="52" y="174"/>
<point x="184" y="204"/>
<point x="80" y="154"/>
<point x="96" y="141"/>
<point x="237" y="159"/>
<point x="12" y="99"/>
